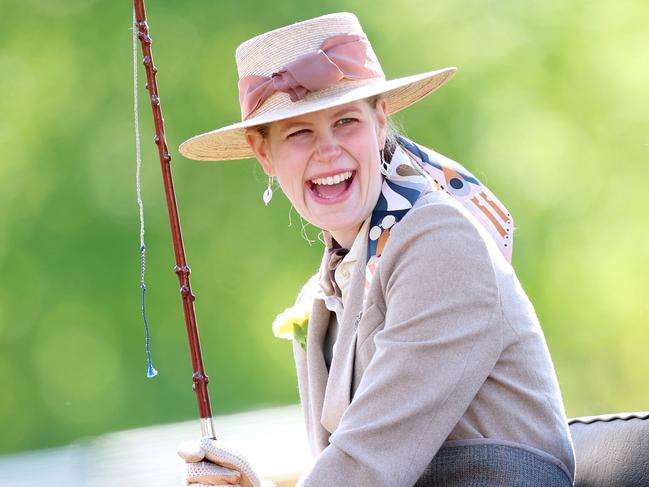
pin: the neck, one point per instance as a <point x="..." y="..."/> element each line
<point x="346" y="237"/>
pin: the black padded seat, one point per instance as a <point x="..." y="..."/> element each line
<point x="612" y="450"/>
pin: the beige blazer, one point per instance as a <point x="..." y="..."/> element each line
<point x="445" y="347"/>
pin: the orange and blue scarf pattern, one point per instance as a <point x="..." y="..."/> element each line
<point x="414" y="169"/>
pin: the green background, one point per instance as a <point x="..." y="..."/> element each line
<point x="548" y="108"/>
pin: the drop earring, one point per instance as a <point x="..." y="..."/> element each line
<point x="268" y="193"/>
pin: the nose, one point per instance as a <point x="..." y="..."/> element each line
<point x="327" y="147"/>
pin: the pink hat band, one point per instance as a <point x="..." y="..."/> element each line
<point x="341" y="56"/>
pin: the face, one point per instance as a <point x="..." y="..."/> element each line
<point x="327" y="164"/>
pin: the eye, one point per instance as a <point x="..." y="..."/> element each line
<point x="346" y="121"/>
<point x="297" y="132"/>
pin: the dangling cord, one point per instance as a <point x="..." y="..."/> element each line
<point x="151" y="372"/>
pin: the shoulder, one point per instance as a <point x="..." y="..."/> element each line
<point x="438" y="243"/>
<point x="438" y="219"/>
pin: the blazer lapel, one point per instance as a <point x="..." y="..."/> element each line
<point x="338" y="393"/>
<point x="316" y="374"/>
<point x="312" y="370"/>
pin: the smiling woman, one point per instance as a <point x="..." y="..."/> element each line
<point x="424" y="363"/>
<point x="327" y="164"/>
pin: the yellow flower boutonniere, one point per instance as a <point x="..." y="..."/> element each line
<point x="292" y="324"/>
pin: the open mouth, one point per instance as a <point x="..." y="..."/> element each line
<point x="331" y="187"/>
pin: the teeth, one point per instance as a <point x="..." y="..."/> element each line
<point x="328" y="181"/>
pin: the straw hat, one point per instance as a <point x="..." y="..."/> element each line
<point x="302" y="68"/>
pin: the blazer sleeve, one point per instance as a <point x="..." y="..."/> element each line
<point x="443" y="334"/>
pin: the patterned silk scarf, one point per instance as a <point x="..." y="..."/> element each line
<point x="414" y="169"/>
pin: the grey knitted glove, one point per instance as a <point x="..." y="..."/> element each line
<point x="211" y="462"/>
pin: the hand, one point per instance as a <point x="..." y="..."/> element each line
<point x="210" y="462"/>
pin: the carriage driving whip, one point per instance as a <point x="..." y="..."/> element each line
<point x="181" y="268"/>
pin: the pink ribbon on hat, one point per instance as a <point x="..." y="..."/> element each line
<point x="341" y="56"/>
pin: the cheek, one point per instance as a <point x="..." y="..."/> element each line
<point x="375" y="180"/>
<point x="291" y="186"/>
<point x="371" y="167"/>
<point x="289" y="169"/>
<point x="294" y="188"/>
<point x="375" y="186"/>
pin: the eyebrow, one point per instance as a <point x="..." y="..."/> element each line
<point x="345" y="111"/>
<point x="350" y="110"/>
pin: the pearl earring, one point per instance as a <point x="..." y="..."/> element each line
<point x="268" y="193"/>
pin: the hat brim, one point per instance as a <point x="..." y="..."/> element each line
<point x="229" y="142"/>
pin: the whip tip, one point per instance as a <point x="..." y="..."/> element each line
<point x="151" y="372"/>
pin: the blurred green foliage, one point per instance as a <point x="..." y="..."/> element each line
<point x="549" y="108"/>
